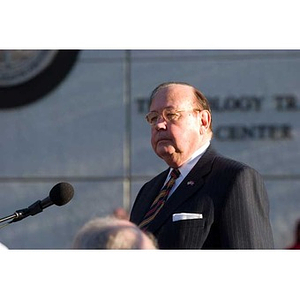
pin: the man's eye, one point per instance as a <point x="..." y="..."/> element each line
<point x="153" y="119"/>
<point x="171" y="115"/>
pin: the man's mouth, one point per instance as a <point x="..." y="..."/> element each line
<point x="163" y="140"/>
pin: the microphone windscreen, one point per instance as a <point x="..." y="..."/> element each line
<point x="61" y="193"/>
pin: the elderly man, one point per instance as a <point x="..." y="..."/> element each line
<point x="203" y="200"/>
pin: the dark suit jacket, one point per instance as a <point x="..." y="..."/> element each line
<point x="230" y="195"/>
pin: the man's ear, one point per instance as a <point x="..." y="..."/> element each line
<point x="205" y="119"/>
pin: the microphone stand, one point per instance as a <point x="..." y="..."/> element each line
<point x="9" y="217"/>
<point x="20" y="214"/>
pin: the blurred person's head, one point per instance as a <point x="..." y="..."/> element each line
<point x="112" y="233"/>
<point x="120" y="213"/>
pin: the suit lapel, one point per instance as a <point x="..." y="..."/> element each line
<point x="192" y="183"/>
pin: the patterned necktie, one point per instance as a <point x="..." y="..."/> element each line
<point x="160" y="200"/>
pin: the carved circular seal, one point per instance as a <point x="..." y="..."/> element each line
<point x="28" y="75"/>
<point x="19" y="66"/>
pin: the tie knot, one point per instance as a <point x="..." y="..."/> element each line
<point x="175" y="173"/>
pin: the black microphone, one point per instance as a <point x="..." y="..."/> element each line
<point x="59" y="195"/>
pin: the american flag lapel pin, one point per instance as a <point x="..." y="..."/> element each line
<point x="190" y="182"/>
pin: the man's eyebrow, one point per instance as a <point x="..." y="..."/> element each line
<point x="167" y="107"/>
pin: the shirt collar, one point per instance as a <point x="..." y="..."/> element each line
<point x="187" y="166"/>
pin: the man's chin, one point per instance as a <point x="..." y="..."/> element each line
<point x="171" y="159"/>
<point x="164" y="148"/>
<point x="165" y="152"/>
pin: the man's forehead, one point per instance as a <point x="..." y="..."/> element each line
<point x="173" y="96"/>
<point x="175" y="88"/>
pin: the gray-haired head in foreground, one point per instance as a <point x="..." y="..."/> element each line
<point x="112" y="233"/>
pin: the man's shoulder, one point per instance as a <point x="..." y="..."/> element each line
<point x="226" y="162"/>
<point x="227" y="169"/>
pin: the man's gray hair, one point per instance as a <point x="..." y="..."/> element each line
<point x="110" y="233"/>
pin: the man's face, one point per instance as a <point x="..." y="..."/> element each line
<point x="175" y="141"/>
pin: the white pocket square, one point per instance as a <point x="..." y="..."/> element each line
<point x="186" y="216"/>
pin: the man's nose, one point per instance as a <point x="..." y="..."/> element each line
<point x="160" y="123"/>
